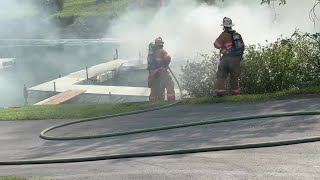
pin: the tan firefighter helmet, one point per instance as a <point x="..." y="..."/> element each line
<point x="158" y="41"/>
<point x="227" y="22"/>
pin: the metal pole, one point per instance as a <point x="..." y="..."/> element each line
<point x="140" y="58"/>
<point x="25" y="94"/>
<point x="87" y="74"/>
<point x="54" y="87"/>
<point x="116" y="55"/>
<point x="110" y="98"/>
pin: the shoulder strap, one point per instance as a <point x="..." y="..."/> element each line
<point x="231" y="33"/>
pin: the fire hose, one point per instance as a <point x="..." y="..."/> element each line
<point x="162" y="128"/>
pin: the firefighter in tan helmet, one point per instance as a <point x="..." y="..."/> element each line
<point x="231" y="47"/>
<point x="159" y="78"/>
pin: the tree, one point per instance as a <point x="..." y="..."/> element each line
<point x="313" y="16"/>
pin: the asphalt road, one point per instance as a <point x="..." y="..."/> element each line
<point x="19" y="141"/>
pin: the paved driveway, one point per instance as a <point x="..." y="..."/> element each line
<point x="19" y="141"/>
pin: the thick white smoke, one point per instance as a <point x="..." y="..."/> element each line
<point x="21" y="19"/>
<point x="188" y="27"/>
<point x="10" y="89"/>
<point x="11" y="9"/>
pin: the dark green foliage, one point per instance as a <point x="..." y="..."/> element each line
<point x="284" y="64"/>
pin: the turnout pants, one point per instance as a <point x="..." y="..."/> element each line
<point x="228" y="66"/>
<point x="160" y="82"/>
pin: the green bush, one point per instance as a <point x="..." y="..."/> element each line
<point x="284" y="64"/>
<point x="198" y="78"/>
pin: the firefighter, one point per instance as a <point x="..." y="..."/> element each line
<point x="231" y="47"/>
<point x="159" y="78"/>
<point x="154" y="76"/>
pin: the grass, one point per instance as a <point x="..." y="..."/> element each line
<point x="254" y="97"/>
<point x="70" y="111"/>
<point x="81" y="8"/>
<point x="109" y="8"/>
<point x="93" y="8"/>
<point x="12" y="178"/>
<point x="22" y="178"/>
<point x="86" y="111"/>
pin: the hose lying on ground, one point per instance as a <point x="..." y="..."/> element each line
<point x="169" y="152"/>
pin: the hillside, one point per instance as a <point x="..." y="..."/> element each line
<point x="70" y="18"/>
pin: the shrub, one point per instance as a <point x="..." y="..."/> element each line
<point x="284" y="64"/>
<point x="198" y="78"/>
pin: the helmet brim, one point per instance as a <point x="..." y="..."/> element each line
<point x="228" y="25"/>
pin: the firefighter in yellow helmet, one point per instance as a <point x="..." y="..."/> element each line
<point x="159" y="78"/>
<point x="231" y="47"/>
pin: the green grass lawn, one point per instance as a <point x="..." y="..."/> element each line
<point x="254" y="97"/>
<point x="12" y="178"/>
<point x="86" y="111"/>
<point x="82" y="8"/>
<point x="71" y="111"/>
<point x="93" y="8"/>
<point x="22" y="178"/>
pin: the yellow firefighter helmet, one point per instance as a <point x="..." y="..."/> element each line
<point x="158" y="41"/>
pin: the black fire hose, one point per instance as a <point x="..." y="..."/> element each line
<point x="169" y="152"/>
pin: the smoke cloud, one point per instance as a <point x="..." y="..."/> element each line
<point x="35" y="64"/>
<point x="188" y="27"/>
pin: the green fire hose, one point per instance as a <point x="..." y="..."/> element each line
<point x="169" y="152"/>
